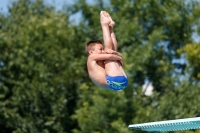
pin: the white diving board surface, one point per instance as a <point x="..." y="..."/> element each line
<point x="169" y="125"/>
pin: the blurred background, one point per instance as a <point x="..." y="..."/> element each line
<point x="44" y="84"/>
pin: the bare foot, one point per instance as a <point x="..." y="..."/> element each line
<point x="104" y="18"/>
<point x="112" y="23"/>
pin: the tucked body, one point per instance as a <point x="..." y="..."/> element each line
<point x="105" y="65"/>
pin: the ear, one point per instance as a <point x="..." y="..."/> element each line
<point x="91" y="51"/>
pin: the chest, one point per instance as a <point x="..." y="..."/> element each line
<point x="96" y="69"/>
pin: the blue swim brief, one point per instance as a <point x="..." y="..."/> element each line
<point x="116" y="82"/>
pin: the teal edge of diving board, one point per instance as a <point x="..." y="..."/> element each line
<point x="169" y="125"/>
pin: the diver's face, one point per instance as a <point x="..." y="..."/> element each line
<point x="98" y="49"/>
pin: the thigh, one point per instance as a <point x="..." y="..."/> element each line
<point x="114" y="68"/>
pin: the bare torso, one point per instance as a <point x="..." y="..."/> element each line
<point x="96" y="70"/>
<point x="99" y="69"/>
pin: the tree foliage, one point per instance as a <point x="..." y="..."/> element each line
<point x="41" y="60"/>
<point x="44" y="85"/>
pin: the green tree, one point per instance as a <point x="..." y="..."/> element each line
<point x="149" y="34"/>
<point x="192" y="56"/>
<point x="44" y="85"/>
<point x="42" y="64"/>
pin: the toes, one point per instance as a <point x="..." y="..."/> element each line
<point x="103" y="13"/>
<point x="106" y="14"/>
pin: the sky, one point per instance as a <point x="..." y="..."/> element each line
<point x="3" y="5"/>
<point x="58" y="4"/>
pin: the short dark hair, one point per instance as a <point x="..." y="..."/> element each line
<point x="91" y="44"/>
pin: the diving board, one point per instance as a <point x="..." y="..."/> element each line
<point x="169" y="125"/>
